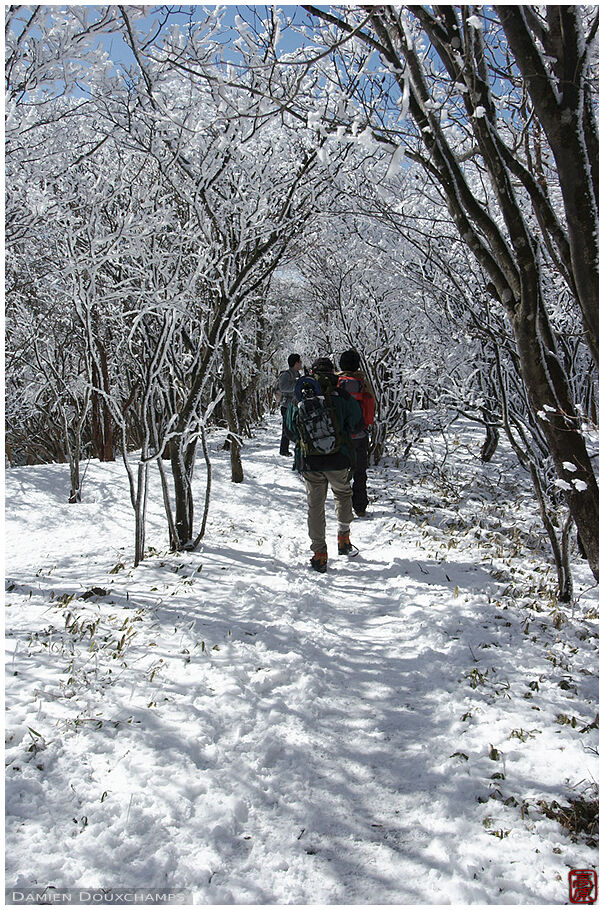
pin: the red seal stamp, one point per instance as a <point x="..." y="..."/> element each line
<point x="583" y="886"/>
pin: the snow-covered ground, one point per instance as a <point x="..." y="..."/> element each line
<point x="230" y="724"/>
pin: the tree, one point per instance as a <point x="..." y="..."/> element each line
<point x="47" y="50"/>
<point x="250" y="184"/>
<point x="552" y="50"/>
<point x="48" y="387"/>
<point x="455" y="88"/>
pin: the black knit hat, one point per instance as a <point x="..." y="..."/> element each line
<point x="322" y="365"/>
<point x="350" y="360"/>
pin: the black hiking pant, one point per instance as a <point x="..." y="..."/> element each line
<point x="360" y="499"/>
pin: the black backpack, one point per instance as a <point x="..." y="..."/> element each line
<point x="318" y="426"/>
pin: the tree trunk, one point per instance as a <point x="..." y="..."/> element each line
<point x="74" y="447"/>
<point x="561" y="427"/>
<point x="560" y="96"/>
<point x="559" y="547"/>
<point x="489" y="446"/>
<point x="206" y="508"/>
<point x="230" y="406"/>
<point x="101" y="421"/>
<point x="75" y="494"/>
<point x="108" y="451"/>
<point x="183" y="496"/>
<point x="378" y="440"/>
<point x="140" y="513"/>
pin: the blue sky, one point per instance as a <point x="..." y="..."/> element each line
<point x="182" y="14"/>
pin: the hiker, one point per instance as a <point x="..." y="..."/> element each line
<point x="287" y="382"/>
<point x="356" y="384"/>
<point x="320" y="420"/>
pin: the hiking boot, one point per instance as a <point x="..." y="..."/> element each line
<point x="345" y="548"/>
<point x="319" y="561"/>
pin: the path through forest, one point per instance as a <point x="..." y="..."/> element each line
<point x="230" y="724"/>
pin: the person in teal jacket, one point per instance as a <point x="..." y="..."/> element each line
<point x="320" y="471"/>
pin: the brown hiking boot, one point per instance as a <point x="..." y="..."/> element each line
<point x="345" y="548"/>
<point x="319" y="561"/>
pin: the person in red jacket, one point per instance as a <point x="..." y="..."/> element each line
<point x="353" y="380"/>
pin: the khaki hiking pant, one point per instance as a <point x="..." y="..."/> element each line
<point x="316" y="494"/>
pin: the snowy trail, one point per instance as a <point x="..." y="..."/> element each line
<point x="264" y="734"/>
